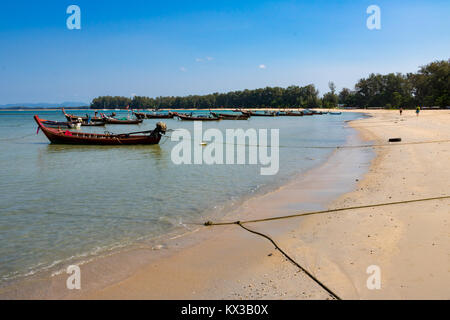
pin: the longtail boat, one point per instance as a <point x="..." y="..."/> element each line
<point x="93" y="123"/>
<point x="71" y="117"/>
<point x="256" y="114"/>
<point x="59" y="136"/>
<point x="182" y="116"/>
<point x="245" y="113"/>
<point x="294" y="114"/>
<point x="61" y="124"/>
<point x="111" y="120"/>
<point x="226" y="116"/>
<point x="144" y="115"/>
<point x="311" y="112"/>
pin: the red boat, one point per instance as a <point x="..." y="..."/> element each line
<point x="59" y="136"/>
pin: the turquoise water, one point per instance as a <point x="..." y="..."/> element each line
<point x="62" y="203"/>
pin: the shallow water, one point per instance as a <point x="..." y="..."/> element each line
<point x="60" y="203"/>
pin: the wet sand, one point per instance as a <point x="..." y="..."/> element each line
<point x="409" y="242"/>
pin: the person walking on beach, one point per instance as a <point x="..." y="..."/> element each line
<point x="417" y="111"/>
<point x="401" y="110"/>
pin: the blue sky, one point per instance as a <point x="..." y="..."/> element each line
<point x="198" y="47"/>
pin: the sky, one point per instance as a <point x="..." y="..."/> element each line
<point x="160" y="48"/>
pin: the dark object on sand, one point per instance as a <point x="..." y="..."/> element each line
<point x="395" y="139"/>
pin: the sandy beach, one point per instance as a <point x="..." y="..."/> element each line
<point x="408" y="242"/>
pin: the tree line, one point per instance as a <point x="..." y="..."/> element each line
<point x="430" y="86"/>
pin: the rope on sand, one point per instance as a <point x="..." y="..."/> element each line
<point x="210" y="223"/>
<point x="334" y="295"/>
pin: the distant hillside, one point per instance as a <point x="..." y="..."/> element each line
<point x="65" y="104"/>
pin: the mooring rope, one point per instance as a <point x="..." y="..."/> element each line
<point x="210" y="223"/>
<point x="334" y="295"/>
<point x="17" y="138"/>
<point x="334" y="147"/>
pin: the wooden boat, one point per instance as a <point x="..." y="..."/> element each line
<point x="71" y="117"/>
<point x="334" y="113"/>
<point x="245" y="113"/>
<point x="312" y="112"/>
<point x="61" y="124"/>
<point x="182" y="116"/>
<point x="111" y="120"/>
<point x="256" y="114"/>
<point x="69" y="137"/>
<point x="226" y="116"/>
<point x="144" y="115"/>
<point x="93" y="123"/>
<point x="294" y="114"/>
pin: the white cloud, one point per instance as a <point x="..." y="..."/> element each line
<point x="262" y="66"/>
<point x="209" y="58"/>
<point x="183" y="69"/>
<point x="199" y="60"/>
